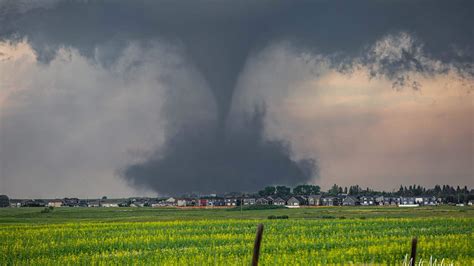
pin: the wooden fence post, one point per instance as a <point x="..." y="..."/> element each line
<point x="413" y="251"/>
<point x="256" y="245"/>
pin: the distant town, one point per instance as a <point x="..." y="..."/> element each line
<point x="301" y="195"/>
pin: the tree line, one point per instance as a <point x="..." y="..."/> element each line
<point x="446" y="192"/>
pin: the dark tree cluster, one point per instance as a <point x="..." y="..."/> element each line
<point x="4" y="201"/>
<point x="284" y="191"/>
<point x="449" y="194"/>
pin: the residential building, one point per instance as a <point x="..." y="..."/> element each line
<point x="187" y="202"/>
<point x="350" y="201"/>
<point x="33" y="203"/>
<point x="231" y="201"/>
<point x="110" y="203"/>
<point x="408" y="201"/>
<point x="367" y="200"/>
<point x="93" y="203"/>
<point x="430" y="200"/>
<point x="379" y="200"/>
<point x="314" y="200"/>
<point x="249" y="201"/>
<point x="296" y="201"/>
<point x="279" y="201"/>
<point x="55" y="203"/>
<point x="216" y="202"/>
<point x="262" y="201"/>
<point x="329" y="201"/>
<point x="70" y="202"/>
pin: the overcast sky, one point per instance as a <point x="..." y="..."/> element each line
<point x="105" y="99"/>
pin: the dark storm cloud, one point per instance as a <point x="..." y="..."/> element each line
<point x="192" y="160"/>
<point x="218" y="37"/>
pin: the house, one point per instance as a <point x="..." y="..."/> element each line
<point x="183" y="202"/>
<point x="350" y="201"/>
<point x="138" y="202"/>
<point x="231" y="201"/>
<point x="70" y="202"/>
<point x="330" y="201"/>
<point x="314" y="200"/>
<point x="216" y="201"/>
<point x="203" y="202"/>
<point x="419" y="200"/>
<point x="392" y="201"/>
<point x="305" y="199"/>
<point x="210" y="201"/>
<point x="367" y="200"/>
<point x="93" y="203"/>
<point x="262" y="201"/>
<point x="15" y="203"/>
<point x="439" y="200"/>
<point x="279" y="201"/>
<point x="380" y="200"/>
<point x="126" y="203"/>
<point x="408" y="202"/>
<point x="429" y="201"/>
<point x="55" y="203"/>
<point x="170" y="202"/>
<point x="82" y="203"/>
<point x="165" y="202"/>
<point x="135" y="204"/>
<point x="33" y="203"/>
<point x="159" y="202"/>
<point x="188" y="202"/>
<point x="249" y="201"/>
<point x="295" y="201"/>
<point x="110" y="203"/>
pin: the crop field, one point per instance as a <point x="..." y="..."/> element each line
<point x="217" y="237"/>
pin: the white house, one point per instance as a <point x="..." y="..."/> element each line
<point x="295" y="201"/>
<point x="367" y="200"/>
<point x="408" y="202"/>
<point x="109" y="203"/>
<point x="55" y="203"/>
<point x="419" y="200"/>
<point x="93" y="203"/>
<point x="170" y="201"/>
<point x="249" y="201"/>
<point x="279" y="201"/>
<point x="181" y="202"/>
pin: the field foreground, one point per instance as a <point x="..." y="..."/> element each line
<point x="27" y="237"/>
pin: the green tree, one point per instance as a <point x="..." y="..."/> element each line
<point x="267" y="191"/>
<point x="283" y="191"/>
<point x="354" y="190"/>
<point x="4" y="201"/>
<point x="306" y="190"/>
<point x="334" y="190"/>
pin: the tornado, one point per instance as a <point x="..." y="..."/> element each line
<point x="232" y="152"/>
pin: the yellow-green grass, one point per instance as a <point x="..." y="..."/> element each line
<point x="65" y="214"/>
<point x="226" y="238"/>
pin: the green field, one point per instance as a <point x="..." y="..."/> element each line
<point x="379" y="235"/>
